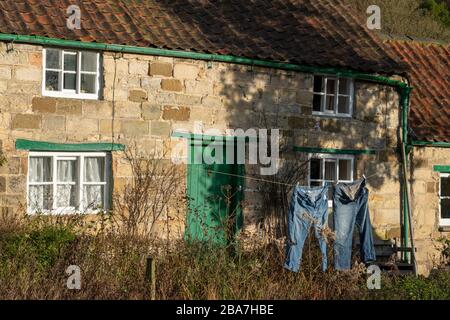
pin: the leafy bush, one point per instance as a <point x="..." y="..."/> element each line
<point x="45" y="244"/>
<point x="435" y="287"/>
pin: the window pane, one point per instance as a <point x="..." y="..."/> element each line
<point x="40" y="197"/>
<point x="52" y="80"/>
<point x="331" y="86"/>
<point x="343" y="105"/>
<point x="345" y="169"/>
<point x="445" y="208"/>
<point x="445" y="186"/>
<point x="317" y="102"/>
<point x="67" y="170"/>
<point x="53" y="59"/>
<point x="94" y="169"/>
<point x="40" y="169"/>
<point x="70" y="62"/>
<point x="344" y="86"/>
<point x="66" y="196"/>
<point x="330" y="170"/>
<point x="93" y="197"/>
<point x="316" y="169"/>
<point x="88" y="83"/>
<point x="330" y="103"/>
<point x="318" y="84"/>
<point x="89" y="61"/>
<point x="316" y="183"/>
<point x="70" y="81"/>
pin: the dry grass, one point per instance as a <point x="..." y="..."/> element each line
<point x="35" y="253"/>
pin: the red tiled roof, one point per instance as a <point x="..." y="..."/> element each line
<point x="325" y="33"/>
<point x="429" y="73"/>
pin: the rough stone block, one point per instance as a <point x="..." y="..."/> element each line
<point x="151" y="111"/>
<point x="128" y="109"/>
<point x="189" y="100"/>
<point x="26" y="121"/>
<point x="69" y="107"/>
<point x="27" y="74"/>
<point x="35" y="59"/>
<point x="212" y="102"/>
<point x="171" y="85"/>
<point x="296" y="122"/>
<point x="160" y="128"/>
<point x="176" y="113"/>
<point x="43" y="105"/>
<point x="138" y="67"/>
<point x="137" y="95"/>
<point x="134" y="128"/>
<point x="432" y="187"/>
<point x="386" y="216"/>
<point x="16" y="184"/>
<point x="53" y="123"/>
<point x="185" y="71"/>
<point x="5" y="72"/>
<point x="160" y="69"/>
<point x="82" y="125"/>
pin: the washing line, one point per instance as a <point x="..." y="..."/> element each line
<point x="268" y="181"/>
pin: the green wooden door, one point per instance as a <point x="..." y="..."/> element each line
<point x="215" y="194"/>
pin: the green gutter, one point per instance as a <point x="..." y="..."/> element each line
<point x="430" y="144"/>
<point x="45" y="41"/>
<point x="22" y="144"/>
<point x="441" y="168"/>
<point x="334" y="151"/>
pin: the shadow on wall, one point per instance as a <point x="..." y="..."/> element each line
<point x="254" y="97"/>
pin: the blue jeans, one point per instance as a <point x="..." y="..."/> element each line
<point x="308" y="207"/>
<point x="351" y="208"/>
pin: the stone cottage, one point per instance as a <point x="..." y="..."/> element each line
<point x="80" y="81"/>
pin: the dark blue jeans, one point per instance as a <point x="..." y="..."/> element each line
<point x="308" y="207"/>
<point x="351" y="208"/>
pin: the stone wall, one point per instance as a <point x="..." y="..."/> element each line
<point x="145" y="98"/>
<point x="425" y="203"/>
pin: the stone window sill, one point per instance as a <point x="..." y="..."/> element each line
<point x="444" y="228"/>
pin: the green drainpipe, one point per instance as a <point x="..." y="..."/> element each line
<point x="402" y="87"/>
<point x="407" y="210"/>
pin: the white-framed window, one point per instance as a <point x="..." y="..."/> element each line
<point x="71" y="74"/>
<point x="68" y="182"/>
<point x="444" y="199"/>
<point x="333" y="96"/>
<point x="329" y="168"/>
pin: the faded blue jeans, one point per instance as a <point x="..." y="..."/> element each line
<point x="350" y="201"/>
<point x="308" y="207"/>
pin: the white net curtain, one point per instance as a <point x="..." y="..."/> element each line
<point x="72" y="190"/>
<point x="94" y="177"/>
<point x="40" y="174"/>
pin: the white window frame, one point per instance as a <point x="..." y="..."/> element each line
<point x="335" y="157"/>
<point x="324" y="94"/>
<point x="80" y="156"/>
<point x="66" y="93"/>
<point x="443" y="222"/>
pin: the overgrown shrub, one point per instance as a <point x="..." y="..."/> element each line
<point x="34" y="259"/>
